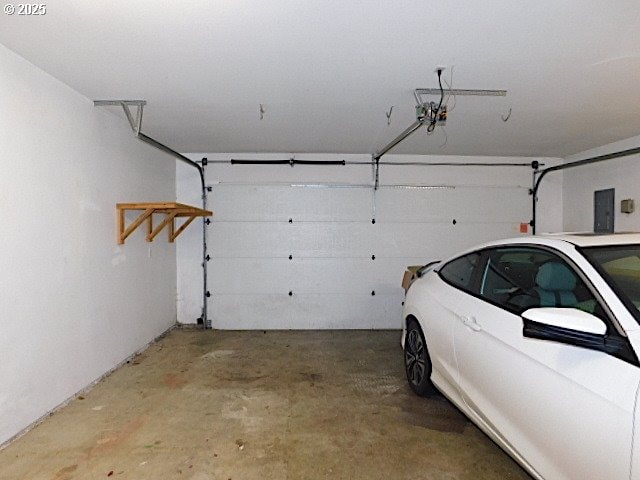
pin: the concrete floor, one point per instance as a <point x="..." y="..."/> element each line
<point x="251" y="405"/>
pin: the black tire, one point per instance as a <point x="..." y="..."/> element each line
<point x="417" y="363"/>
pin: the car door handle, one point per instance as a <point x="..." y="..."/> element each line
<point x="471" y="323"/>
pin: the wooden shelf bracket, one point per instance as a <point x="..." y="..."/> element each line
<point x="171" y="211"/>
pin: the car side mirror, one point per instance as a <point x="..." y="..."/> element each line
<point x="571" y="326"/>
<point x="566" y="319"/>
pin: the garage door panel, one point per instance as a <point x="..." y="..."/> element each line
<point x="332" y="240"/>
<point x="248" y="239"/>
<point x="306" y="311"/>
<point x="254" y="276"/>
<point x="279" y="203"/>
<point x="281" y="239"/>
<point x="435" y="241"/>
<point x="466" y="204"/>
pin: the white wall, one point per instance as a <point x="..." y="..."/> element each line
<point x="74" y="304"/>
<point x="332" y="238"/>
<point x="579" y="183"/>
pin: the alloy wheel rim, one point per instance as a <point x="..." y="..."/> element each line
<point x="415" y="357"/>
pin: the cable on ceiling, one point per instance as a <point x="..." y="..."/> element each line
<point x="450" y="93"/>
<point x="432" y="125"/>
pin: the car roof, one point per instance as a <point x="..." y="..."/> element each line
<point x="591" y="239"/>
<point x="580" y="239"/>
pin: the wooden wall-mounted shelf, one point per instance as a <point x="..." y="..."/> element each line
<point x="171" y="210"/>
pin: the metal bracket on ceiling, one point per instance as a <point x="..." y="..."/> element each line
<point x="418" y="92"/>
<point x="134" y="122"/>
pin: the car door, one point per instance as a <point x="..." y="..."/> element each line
<point x="435" y="302"/>
<point x="566" y="410"/>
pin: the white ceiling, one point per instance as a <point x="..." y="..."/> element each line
<point x="327" y="71"/>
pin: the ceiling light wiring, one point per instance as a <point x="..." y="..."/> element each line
<point x="434" y="119"/>
<point x="450" y="93"/>
<point x="446" y="137"/>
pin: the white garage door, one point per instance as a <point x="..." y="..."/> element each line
<point x="310" y="257"/>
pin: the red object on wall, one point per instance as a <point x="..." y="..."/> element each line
<point x="524" y="228"/>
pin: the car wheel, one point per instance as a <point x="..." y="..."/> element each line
<point x="416" y="361"/>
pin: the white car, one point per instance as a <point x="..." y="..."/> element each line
<point x="536" y="340"/>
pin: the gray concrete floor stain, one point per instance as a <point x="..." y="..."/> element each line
<point x="220" y="405"/>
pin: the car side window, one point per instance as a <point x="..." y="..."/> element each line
<point x="519" y="278"/>
<point x="459" y="272"/>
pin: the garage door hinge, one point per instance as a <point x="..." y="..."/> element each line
<point x="207" y="258"/>
<point x="208" y="294"/>
<point x="208" y="221"/>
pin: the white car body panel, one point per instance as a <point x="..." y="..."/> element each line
<point x="574" y="416"/>
<point x="565" y="386"/>
<point x="445" y="372"/>
<point x="634" y="337"/>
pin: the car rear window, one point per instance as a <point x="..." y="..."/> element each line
<point x="459" y="272"/>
